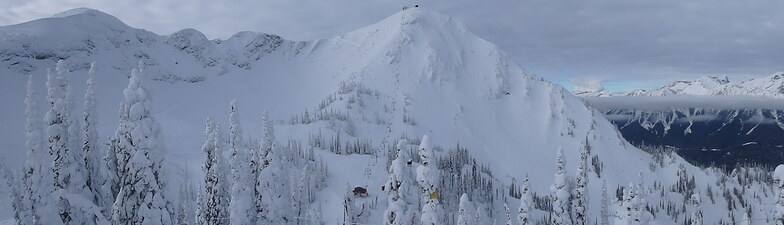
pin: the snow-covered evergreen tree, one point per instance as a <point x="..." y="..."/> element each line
<point x="580" y="195"/>
<point x="604" y="213"/>
<point x="241" y="204"/>
<point x="139" y="153"/>
<point x="464" y="211"/>
<point x="68" y="169"/>
<point x="778" y="177"/>
<point x="92" y="153"/>
<point x="508" y="214"/>
<point x="427" y="177"/>
<point x="696" y="215"/>
<point x="632" y="210"/>
<point x="272" y="185"/>
<point x="560" y="194"/>
<point x="639" y="215"/>
<point x="110" y="165"/>
<point x="526" y="203"/>
<point x="400" y="189"/>
<point x="350" y="214"/>
<point x="258" y="165"/>
<point x="216" y="195"/>
<point x="626" y="211"/>
<point x="35" y="205"/>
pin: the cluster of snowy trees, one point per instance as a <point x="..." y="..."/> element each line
<point x="69" y="178"/>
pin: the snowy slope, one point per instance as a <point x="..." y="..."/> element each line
<point x="417" y="72"/>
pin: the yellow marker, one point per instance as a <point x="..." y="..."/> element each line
<point x="434" y="195"/>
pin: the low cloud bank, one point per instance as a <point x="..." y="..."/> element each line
<point x="726" y="102"/>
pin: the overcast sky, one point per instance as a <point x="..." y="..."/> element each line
<point x="618" y="44"/>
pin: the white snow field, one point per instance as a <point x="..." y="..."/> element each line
<point x="415" y="73"/>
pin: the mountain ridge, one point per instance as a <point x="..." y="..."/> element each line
<point x="771" y="86"/>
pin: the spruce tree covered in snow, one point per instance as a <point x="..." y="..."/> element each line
<point x="696" y="215"/>
<point x="604" y="215"/>
<point x="216" y="196"/>
<point x="259" y="165"/>
<point x="632" y="210"/>
<point x="400" y="189"/>
<point x="778" y="177"/>
<point x="427" y="177"/>
<point x="526" y="204"/>
<point x="92" y="153"/>
<point x="560" y="194"/>
<point x="508" y="214"/>
<point x="35" y="205"/>
<point x="74" y="198"/>
<point x="639" y="214"/>
<point x="273" y="201"/>
<point x="626" y="212"/>
<point x="350" y="214"/>
<point x="139" y="152"/>
<point x="580" y="196"/>
<point x="464" y="211"/>
<point x="241" y="204"/>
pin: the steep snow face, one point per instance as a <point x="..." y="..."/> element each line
<point x="415" y="73"/>
<point x="461" y="89"/>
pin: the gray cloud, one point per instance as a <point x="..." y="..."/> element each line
<point x="623" y="41"/>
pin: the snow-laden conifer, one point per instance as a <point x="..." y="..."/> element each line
<point x="400" y="188"/>
<point x="526" y="204"/>
<point x="560" y="194"/>
<point x="464" y="211"/>
<point x="73" y="196"/>
<point x="90" y="147"/>
<point x="696" y="214"/>
<point x="580" y="196"/>
<point x="427" y="177"/>
<point x="604" y="216"/>
<point x="216" y="195"/>
<point x="139" y="153"/>
<point x="34" y="205"/>
<point x="242" y="185"/>
<point x="778" y="177"/>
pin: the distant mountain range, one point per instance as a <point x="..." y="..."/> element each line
<point x="710" y="119"/>
<point x="772" y="86"/>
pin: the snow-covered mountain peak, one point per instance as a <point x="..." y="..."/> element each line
<point x="431" y="47"/>
<point x="83" y="21"/>
<point x="85" y="12"/>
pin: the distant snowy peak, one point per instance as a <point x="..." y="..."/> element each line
<point x="771" y="86"/>
<point x="85" y="35"/>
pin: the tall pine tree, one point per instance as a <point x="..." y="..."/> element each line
<point x="68" y="169"/>
<point x="92" y="153"/>
<point x="241" y="204"/>
<point x="427" y="177"/>
<point x="400" y="189"/>
<point x="560" y="194"/>
<point x="216" y="196"/>
<point x="580" y="196"/>
<point x="139" y="153"/>
<point x="526" y="202"/>
<point x="34" y="205"/>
